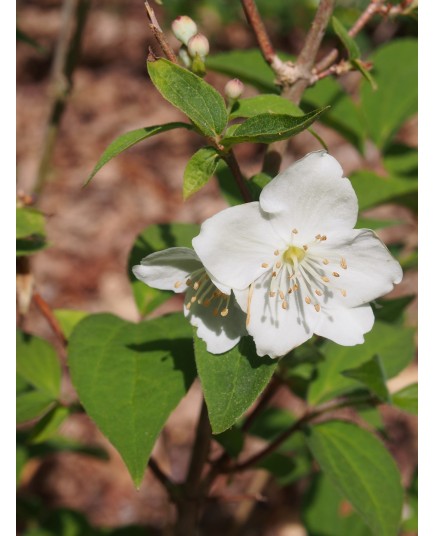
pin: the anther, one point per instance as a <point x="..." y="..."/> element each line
<point x="344" y="263"/>
<point x="336" y="274"/>
<point x="284" y="305"/>
<point x="224" y="312"/>
<point x="178" y="284"/>
<point x="305" y="247"/>
<point x="318" y="237"/>
<point x="307" y="300"/>
<point x="188" y="282"/>
<point x="295" y="288"/>
<point x="196" y="285"/>
<point x="318" y="292"/>
<point x="323" y="238"/>
<point x="295" y="231"/>
<point x="276" y="252"/>
<point x="215" y="312"/>
<point x="325" y="279"/>
<point x="264" y="265"/>
<point x="272" y="294"/>
<point x="193" y="299"/>
<point x="188" y="306"/>
<point x="325" y="261"/>
<point x="343" y="292"/>
<point x="290" y="291"/>
<point x="274" y="274"/>
<point x="281" y="294"/>
<point x="278" y="264"/>
<point x="317" y="307"/>
<point x="206" y="303"/>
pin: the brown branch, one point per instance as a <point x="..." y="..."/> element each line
<point x="171" y="488"/>
<point x="47" y="312"/>
<point x="159" y="35"/>
<point x="268" y="394"/>
<point x="233" y="165"/>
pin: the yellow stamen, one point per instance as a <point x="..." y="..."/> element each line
<point x="325" y="279"/>
<point x="264" y="265"/>
<point x="344" y="263"/>
<point x="317" y="307"/>
<point x="307" y="300"/>
<point x="178" y="284"/>
<point x="284" y="305"/>
<point x="318" y="292"/>
<point x="336" y="274"/>
<point x="325" y="261"/>
<point x="224" y="312"/>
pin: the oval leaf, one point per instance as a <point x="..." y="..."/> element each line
<point x="262" y="104"/>
<point x="371" y="374"/>
<point x="267" y="128"/>
<point x="29" y="222"/>
<point x="199" y="170"/>
<point x="129" y="139"/>
<point x="232" y="381"/>
<point x="348" y="42"/>
<point x="407" y="398"/>
<point x="192" y="95"/>
<point x="130" y="377"/>
<point x="362" y="469"/>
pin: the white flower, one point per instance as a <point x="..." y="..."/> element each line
<point x="295" y="262"/>
<point x="213" y="310"/>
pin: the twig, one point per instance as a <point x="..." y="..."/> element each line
<point x="47" y="312"/>
<point x="191" y="501"/>
<point x="171" y="488"/>
<point x="298" y="425"/>
<point x="233" y="165"/>
<point x="159" y="35"/>
<point x="74" y="17"/>
<point x="266" y="397"/>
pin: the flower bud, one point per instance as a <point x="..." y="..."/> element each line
<point x="184" y="28"/>
<point x="234" y="89"/>
<point x="184" y="56"/>
<point x="198" y="45"/>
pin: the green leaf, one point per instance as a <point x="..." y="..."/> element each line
<point x="32" y="404"/>
<point x="38" y="364"/>
<point x="68" y="319"/>
<point x="344" y="116"/>
<point x="264" y="104"/>
<point x="287" y="469"/>
<point x="200" y="168"/>
<point x="267" y="128"/>
<point x="369" y="223"/>
<point x="20" y="459"/>
<point x="29" y="222"/>
<point x="393" y="343"/>
<point x="326" y="513"/>
<point x="372" y="190"/>
<point x="155" y="238"/>
<point x="231" y="440"/>
<point x="232" y="381"/>
<point x="25" y="38"/>
<point x="360" y="66"/>
<point x="360" y="467"/>
<point x="129" y="139"/>
<point x="407" y="399"/>
<point x="391" y="310"/>
<point x="400" y="160"/>
<point x="130" y="377"/>
<point x="371" y="374"/>
<point x="348" y="42"/>
<point x="192" y="95"/>
<point x="47" y="427"/>
<point x="30" y="245"/>
<point x="410" y="522"/>
<point x="385" y="110"/>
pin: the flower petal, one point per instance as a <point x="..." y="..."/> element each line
<point x="168" y="269"/>
<point x="311" y="196"/>
<point x="237" y="245"/>
<point x="360" y="267"/>
<point x="345" y="326"/>
<point x="219" y="333"/>
<point x="277" y="330"/>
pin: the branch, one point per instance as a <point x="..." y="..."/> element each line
<point x="47" y="312"/>
<point x="233" y="165"/>
<point x="159" y="35"/>
<point x="171" y="488"/>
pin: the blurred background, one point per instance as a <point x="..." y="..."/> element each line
<point x="91" y="231"/>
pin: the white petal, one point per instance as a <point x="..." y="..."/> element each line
<point x="345" y="326"/>
<point x="219" y="333"/>
<point x="167" y="268"/>
<point x="311" y="196"/>
<point x="237" y="245"/>
<point x="370" y="272"/>
<point x="242" y="297"/>
<point x="276" y="330"/>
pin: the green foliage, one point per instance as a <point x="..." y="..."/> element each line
<point x="407" y="398"/>
<point x="392" y="310"/>
<point x="410" y="522"/>
<point x="200" y="168"/>
<point x="348" y="42"/>
<point x="371" y="374"/>
<point x="264" y="104"/>
<point x="395" y="69"/>
<point x="232" y="381"/>
<point x="129" y="139"/>
<point x="267" y="128"/>
<point x="372" y="190"/>
<point x="400" y="160"/>
<point x="192" y="95"/>
<point x="29" y="222"/>
<point x="364" y="472"/>
<point x="232" y="440"/>
<point x="394" y="344"/>
<point x="155" y="238"/>
<point x="130" y="377"/>
<point x="68" y="319"/>
<point x="38" y="377"/>
<point x="48" y="426"/>
<point x="326" y="513"/>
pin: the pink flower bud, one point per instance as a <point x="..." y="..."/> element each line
<point x="198" y="45"/>
<point x="234" y="89"/>
<point x="184" y="28"/>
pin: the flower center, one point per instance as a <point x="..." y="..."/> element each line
<point x="294" y="255"/>
<point x="203" y="292"/>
